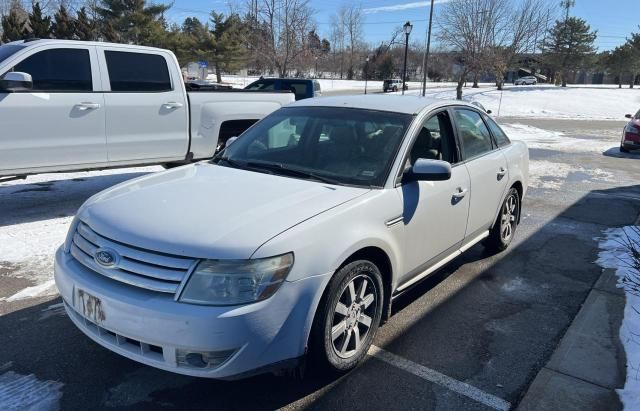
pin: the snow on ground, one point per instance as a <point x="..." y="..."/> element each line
<point x="595" y="102"/>
<point x="554" y="140"/>
<point x="615" y="255"/>
<point x="27" y="248"/>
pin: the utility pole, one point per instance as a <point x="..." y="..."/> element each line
<point x="425" y="58"/>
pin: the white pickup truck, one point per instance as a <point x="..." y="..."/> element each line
<point x="72" y="105"/>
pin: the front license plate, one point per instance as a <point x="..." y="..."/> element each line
<point x="89" y="306"/>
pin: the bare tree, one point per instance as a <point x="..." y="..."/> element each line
<point x="351" y="17"/>
<point x="338" y="36"/>
<point x="280" y="35"/>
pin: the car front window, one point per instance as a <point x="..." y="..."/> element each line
<point x="343" y="146"/>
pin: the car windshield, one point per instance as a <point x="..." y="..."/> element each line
<point x="333" y="145"/>
<point x="9" y="50"/>
<point x="265" y="85"/>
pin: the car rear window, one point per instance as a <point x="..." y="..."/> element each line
<point x="137" y="72"/>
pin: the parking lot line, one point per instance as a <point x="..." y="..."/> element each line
<point x="433" y="376"/>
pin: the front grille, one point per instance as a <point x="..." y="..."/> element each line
<point x="137" y="267"/>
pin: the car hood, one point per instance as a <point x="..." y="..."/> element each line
<point x="208" y="211"/>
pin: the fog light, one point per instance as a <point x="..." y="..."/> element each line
<point x="202" y="359"/>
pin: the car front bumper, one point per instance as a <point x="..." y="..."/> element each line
<point x="631" y="141"/>
<point x="152" y="328"/>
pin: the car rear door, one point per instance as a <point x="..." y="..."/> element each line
<point x="487" y="168"/>
<point x="60" y="122"/>
<point x="146" y="108"/>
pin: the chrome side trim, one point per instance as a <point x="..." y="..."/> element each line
<point x="394" y="221"/>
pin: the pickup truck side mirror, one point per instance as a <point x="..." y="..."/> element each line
<point x="428" y="170"/>
<point x="16" y="81"/>
<point x="628" y="115"/>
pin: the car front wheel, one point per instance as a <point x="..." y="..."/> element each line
<point x="505" y="226"/>
<point x="623" y="149"/>
<point x="348" y="317"/>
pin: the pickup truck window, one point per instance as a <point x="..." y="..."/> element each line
<point x="60" y="69"/>
<point x="475" y="136"/>
<point x="9" y="50"/>
<point x="137" y="72"/>
<point x="349" y="146"/>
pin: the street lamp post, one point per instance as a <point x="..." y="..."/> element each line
<point x="407" y="30"/>
<point x="316" y="72"/>
<point x="366" y="74"/>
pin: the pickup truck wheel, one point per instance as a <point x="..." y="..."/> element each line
<point x="505" y="226"/>
<point x="348" y="317"/>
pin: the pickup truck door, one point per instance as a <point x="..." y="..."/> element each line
<point x="435" y="212"/>
<point x="60" y="122"/>
<point x="487" y="167"/>
<point x="146" y="105"/>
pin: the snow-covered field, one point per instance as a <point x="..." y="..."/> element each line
<point x="594" y="102"/>
<point x="617" y="255"/>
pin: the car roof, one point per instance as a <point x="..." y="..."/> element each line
<point x="35" y="42"/>
<point x="397" y="104"/>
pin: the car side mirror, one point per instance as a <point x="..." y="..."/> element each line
<point x="16" y="81"/>
<point x="628" y="115"/>
<point x="428" y="170"/>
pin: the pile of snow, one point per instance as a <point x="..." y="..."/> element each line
<point x="554" y="140"/>
<point x="616" y="255"/>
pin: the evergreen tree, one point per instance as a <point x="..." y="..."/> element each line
<point x="228" y="50"/>
<point x="633" y="44"/>
<point x="85" y="27"/>
<point x="12" y="26"/>
<point x="617" y="61"/>
<point x="39" y="26"/>
<point x="63" y="24"/>
<point x="567" y="46"/>
<point x="132" y="21"/>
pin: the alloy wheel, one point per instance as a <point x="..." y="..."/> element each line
<point x="508" y="219"/>
<point x="353" y="316"/>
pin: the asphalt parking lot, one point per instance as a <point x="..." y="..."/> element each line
<point x="472" y="336"/>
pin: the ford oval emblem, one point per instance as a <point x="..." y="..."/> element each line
<point x="106" y="257"/>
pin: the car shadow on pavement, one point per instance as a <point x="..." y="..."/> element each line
<point x="491" y="321"/>
<point x="615" y="152"/>
<point x="42" y="200"/>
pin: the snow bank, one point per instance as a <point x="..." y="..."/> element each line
<point x="616" y="256"/>
<point x="554" y="140"/>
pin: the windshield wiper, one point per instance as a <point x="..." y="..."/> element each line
<point x="281" y="168"/>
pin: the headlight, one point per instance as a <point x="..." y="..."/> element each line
<point x="233" y="282"/>
<point x="631" y="129"/>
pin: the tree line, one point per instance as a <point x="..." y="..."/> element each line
<point x="475" y="38"/>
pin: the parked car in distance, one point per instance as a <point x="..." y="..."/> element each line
<point x="393" y="85"/>
<point x="338" y="206"/>
<point x="631" y="134"/>
<point x="302" y="88"/>
<point x="73" y="105"/>
<point x="525" y="81"/>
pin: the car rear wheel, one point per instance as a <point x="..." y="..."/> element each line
<point x="395" y="88"/>
<point x="505" y="226"/>
<point x="348" y="317"/>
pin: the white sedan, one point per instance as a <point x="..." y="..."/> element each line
<point x="295" y="239"/>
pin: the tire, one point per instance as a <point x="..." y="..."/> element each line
<point x="395" y="89"/>
<point x="504" y="228"/>
<point x="623" y="150"/>
<point x="344" y="327"/>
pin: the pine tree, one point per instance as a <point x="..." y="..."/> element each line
<point x="63" y="24"/>
<point x="12" y="26"/>
<point x="228" y="51"/>
<point x="633" y="44"/>
<point x="39" y="26"/>
<point x="85" y="28"/>
<point x="132" y="21"/>
<point x="568" y="44"/>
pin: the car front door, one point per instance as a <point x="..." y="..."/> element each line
<point x="435" y="212"/>
<point x="487" y="168"/>
<point x="60" y="122"/>
<point x="146" y="108"/>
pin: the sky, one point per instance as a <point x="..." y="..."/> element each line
<point x="614" y="19"/>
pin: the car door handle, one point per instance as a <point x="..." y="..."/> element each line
<point x="502" y="172"/>
<point x="460" y="193"/>
<point x="85" y="105"/>
<point x="172" y="104"/>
